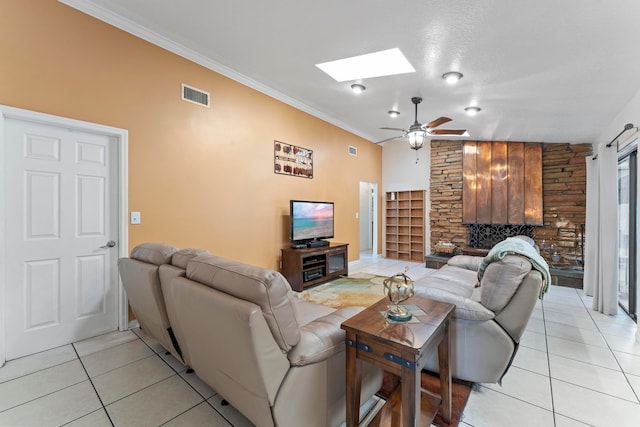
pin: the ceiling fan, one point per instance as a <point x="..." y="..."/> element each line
<point x="417" y="132"/>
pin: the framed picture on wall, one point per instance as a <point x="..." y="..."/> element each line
<point x="292" y="160"/>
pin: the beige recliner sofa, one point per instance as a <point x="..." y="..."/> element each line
<point x="490" y="319"/>
<point x="141" y="280"/>
<point x="277" y="359"/>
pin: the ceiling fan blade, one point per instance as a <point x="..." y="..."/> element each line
<point x="389" y="139"/>
<point x="437" y="122"/>
<point x="447" y="131"/>
<point x="398" y="129"/>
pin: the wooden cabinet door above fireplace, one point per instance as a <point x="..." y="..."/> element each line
<point x="502" y="183"/>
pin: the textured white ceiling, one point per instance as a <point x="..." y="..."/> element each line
<point x="544" y="70"/>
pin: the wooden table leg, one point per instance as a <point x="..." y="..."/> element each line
<point x="444" y="366"/>
<point x="411" y="393"/>
<point x="396" y="409"/>
<point x="353" y="383"/>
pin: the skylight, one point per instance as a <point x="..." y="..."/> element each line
<point x="384" y="63"/>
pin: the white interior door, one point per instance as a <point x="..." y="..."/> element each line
<point x="60" y="212"/>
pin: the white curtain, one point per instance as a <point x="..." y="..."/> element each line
<point x="601" y="235"/>
<point x="591" y="236"/>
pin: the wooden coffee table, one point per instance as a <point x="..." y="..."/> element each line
<point x="401" y="349"/>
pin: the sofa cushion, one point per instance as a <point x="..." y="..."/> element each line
<point x="307" y="311"/>
<point x="182" y="257"/>
<point x="322" y="338"/>
<point x="455" y="285"/>
<point x="501" y="280"/>
<point x="466" y="308"/>
<point x="266" y="288"/>
<point x="153" y="253"/>
<point x="465" y="261"/>
<point x="167" y="273"/>
<point x="456" y="280"/>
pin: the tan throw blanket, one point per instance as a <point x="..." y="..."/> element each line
<point x="516" y="246"/>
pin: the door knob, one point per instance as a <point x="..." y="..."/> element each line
<point x="109" y="244"/>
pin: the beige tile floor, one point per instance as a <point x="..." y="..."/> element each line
<point x="575" y="367"/>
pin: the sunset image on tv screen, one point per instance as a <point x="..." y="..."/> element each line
<point x="312" y="220"/>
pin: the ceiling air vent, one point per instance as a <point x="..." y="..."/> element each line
<point x="194" y="95"/>
<point x="353" y="151"/>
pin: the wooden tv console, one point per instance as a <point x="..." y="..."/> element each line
<point x="311" y="266"/>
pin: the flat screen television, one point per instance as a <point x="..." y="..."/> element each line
<point x="310" y="220"/>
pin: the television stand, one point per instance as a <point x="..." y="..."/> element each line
<point x="317" y="243"/>
<point x="314" y="265"/>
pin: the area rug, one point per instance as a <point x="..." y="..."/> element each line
<point x="360" y="289"/>
<point x="460" y="391"/>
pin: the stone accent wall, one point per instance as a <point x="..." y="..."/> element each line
<point x="564" y="189"/>
<point x="446" y="194"/>
<point x="564" y="197"/>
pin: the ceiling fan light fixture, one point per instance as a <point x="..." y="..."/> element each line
<point x="472" y="111"/>
<point x="393" y="113"/>
<point x="452" y="77"/>
<point x="416" y="139"/>
<point x="358" y="88"/>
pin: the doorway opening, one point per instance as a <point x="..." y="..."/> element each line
<point x="368" y="219"/>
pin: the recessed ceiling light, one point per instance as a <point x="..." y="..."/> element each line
<point x="452" y="77"/>
<point x="472" y="111"/>
<point x="384" y="63"/>
<point x="393" y="113"/>
<point x="358" y="88"/>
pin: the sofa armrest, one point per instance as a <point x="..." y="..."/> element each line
<point x="465" y="307"/>
<point x="468" y="262"/>
<point x="321" y="338"/>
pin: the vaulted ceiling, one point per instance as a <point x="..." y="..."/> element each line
<point x="544" y="70"/>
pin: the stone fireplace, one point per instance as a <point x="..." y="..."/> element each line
<point x="563" y="204"/>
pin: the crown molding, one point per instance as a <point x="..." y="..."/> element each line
<point x="125" y="24"/>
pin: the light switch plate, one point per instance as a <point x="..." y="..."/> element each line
<point x="135" y="217"/>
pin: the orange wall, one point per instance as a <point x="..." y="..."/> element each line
<point x="200" y="177"/>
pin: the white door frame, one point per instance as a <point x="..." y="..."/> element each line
<point x="121" y="136"/>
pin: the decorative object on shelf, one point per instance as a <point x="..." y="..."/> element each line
<point x="292" y="160"/>
<point x="445" y="248"/>
<point x="398" y="288"/>
<point x="550" y="253"/>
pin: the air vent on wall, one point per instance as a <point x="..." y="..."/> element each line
<point x="197" y="96"/>
<point x="353" y="151"/>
